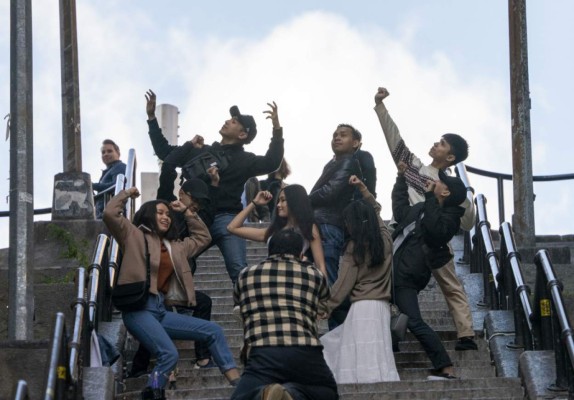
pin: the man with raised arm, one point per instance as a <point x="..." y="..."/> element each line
<point x="449" y="150"/>
<point x="235" y="166"/>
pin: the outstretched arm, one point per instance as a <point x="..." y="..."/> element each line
<point x="397" y="146"/>
<point x="161" y="146"/>
<point x="236" y="227"/>
<point x="272" y="159"/>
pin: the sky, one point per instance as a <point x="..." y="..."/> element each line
<point x="444" y="62"/>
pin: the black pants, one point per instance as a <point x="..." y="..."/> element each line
<point x="201" y="310"/>
<point x="302" y="370"/>
<point x="407" y="301"/>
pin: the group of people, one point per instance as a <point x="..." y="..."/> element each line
<point x="330" y="256"/>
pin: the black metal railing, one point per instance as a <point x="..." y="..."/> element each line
<point x="514" y="293"/>
<point x="21" y="391"/>
<point x="108" y="193"/>
<point x="461" y="173"/>
<point x="483" y="256"/>
<point x="500" y="178"/>
<point x="58" y="382"/>
<point x="552" y="322"/>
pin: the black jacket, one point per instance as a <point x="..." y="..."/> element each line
<point x="332" y="192"/>
<point x="426" y="247"/>
<point x="242" y="165"/>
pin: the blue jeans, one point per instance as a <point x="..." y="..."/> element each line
<point x="155" y="327"/>
<point x="332" y="239"/>
<point x="232" y="247"/>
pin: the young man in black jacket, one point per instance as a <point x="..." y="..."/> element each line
<point x="420" y="245"/>
<point x="238" y="165"/>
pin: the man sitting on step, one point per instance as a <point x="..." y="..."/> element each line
<point x="448" y="151"/>
<point x="279" y="302"/>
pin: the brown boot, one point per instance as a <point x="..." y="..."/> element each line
<point x="275" y="391"/>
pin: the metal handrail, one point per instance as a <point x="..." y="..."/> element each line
<point x="515" y="290"/>
<point x="131" y="181"/>
<point x="500" y="178"/>
<point x="552" y="321"/>
<point x="461" y="173"/>
<point x="79" y="307"/>
<point x="58" y="375"/>
<point x="96" y="280"/>
<point x="484" y="250"/>
<point x="21" y="391"/>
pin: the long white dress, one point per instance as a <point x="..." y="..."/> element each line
<point x="360" y="350"/>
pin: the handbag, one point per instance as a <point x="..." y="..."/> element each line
<point x="133" y="296"/>
<point x="399" y="323"/>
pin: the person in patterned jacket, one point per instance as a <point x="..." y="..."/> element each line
<point x="279" y="303"/>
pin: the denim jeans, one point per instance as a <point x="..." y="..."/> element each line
<point x="232" y="247"/>
<point x="407" y="301"/>
<point x="332" y="239"/>
<point x="202" y="310"/>
<point x="155" y="327"/>
<point x="301" y="370"/>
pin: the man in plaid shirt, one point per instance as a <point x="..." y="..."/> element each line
<point x="279" y="302"/>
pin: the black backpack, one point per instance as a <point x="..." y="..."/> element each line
<point x="197" y="167"/>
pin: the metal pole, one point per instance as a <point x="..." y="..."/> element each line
<point x="72" y="141"/>
<point x="21" y="240"/>
<point x="523" y="218"/>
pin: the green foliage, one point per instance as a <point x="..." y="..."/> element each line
<point x="73" y="249"/>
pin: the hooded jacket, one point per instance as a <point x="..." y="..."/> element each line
<point x="131" y="241"/>
<point x="426" y="247"/>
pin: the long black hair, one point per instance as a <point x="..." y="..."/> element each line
<point x="362" y="225"/>
<point x="300" y="211"/>
<point x="147" y="216"/>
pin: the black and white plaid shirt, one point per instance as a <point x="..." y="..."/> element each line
<point x="279" y="301"/>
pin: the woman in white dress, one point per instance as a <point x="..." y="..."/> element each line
<point x="360" y="350"/>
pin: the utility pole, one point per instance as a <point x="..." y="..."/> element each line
<point x="73" y="195"/>
<point x="72" y="133"/>
<point x="523" y="218"/>
<point x="21" y="236"/>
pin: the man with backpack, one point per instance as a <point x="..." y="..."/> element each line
<point x="234" y="164"/>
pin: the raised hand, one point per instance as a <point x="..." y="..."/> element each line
<point x="262" y="198"/>
<point x="272" y="115"/>
<point x="150" y="104"/>
<point x="197" y="141"/>
<point x="133" y="192"/>
<point x="382" y="93"/>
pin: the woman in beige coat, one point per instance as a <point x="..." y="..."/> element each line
<point x="170" y="281"/>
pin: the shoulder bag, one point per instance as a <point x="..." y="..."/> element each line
<point x="133" y="296"/>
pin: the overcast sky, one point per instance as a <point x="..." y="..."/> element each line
<point x="445" y="64"/>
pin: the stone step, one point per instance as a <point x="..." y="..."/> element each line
<point x="480" y="388"/>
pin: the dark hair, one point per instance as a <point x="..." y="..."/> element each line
<point x="356" y="134"/>
<point x="286" y="241"/>
<point x="362" y="225"/>
<point x="110" y="141"/>
<point x="284" y="170"/>
<point x="300" y="211"/>
<point x="458" y="147"/>
<point x="147" y="216"/>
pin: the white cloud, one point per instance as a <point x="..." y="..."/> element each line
<point x="319" y="69"/>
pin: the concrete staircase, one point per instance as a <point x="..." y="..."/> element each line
<point x="478" y="378"/>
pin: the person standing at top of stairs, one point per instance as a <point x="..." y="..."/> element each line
<point x="449" y="150"/>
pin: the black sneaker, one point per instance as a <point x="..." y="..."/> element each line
<point x="465" y="343"/>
